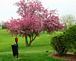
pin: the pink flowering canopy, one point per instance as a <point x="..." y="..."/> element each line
<point x="34" y="19"/>
<point x="52" y="24"/>
<point x="13" y="26"/>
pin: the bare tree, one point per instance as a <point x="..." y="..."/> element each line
<point x="68" y="20"/>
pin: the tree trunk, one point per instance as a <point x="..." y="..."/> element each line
<point x="32" y="39"/>
<point x="30" y="43"/>
<point x="26" y="41"/>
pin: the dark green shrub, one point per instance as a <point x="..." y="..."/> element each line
<point x="59" y="44"/>
<point x="70" y="37"/>
<point x="3" y="27"/>
<point x="66" y="41"/>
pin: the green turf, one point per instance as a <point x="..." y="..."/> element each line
<point x="37" y="51"/>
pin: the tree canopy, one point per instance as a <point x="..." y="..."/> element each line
<point x="34" y="19"/>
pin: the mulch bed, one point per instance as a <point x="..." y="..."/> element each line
<point x="66" y="57"/>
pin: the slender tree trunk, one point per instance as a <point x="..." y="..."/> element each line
<point x="32" y="39"/>
<point x="26" y="41"/>
<point x="30" y="43"/>
<point x="65" y="26"/>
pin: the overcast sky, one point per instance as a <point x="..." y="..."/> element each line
<point x="64" y="7"/>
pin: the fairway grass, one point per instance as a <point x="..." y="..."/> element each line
<point x="37" y="51"/>
<point x="28" y="57"/>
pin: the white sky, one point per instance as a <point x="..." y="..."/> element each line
<point x="8" y="9"/>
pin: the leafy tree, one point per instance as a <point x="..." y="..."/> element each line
<point x="34" y="19"/>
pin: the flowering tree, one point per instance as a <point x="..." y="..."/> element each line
<point x="13" y="26"/>
<point x="51" y="21"/>
<point x="34" y="19"/>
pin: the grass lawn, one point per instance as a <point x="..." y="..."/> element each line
<point x="37" y="52"/>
